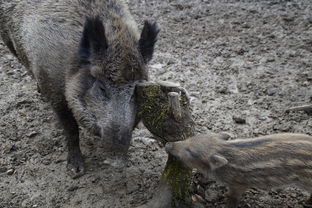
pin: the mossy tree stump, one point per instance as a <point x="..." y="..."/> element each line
<point x="165" y="110"/>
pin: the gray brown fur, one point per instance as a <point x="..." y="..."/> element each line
<point x="264" y="162"/>
<point x="86" y="56"/>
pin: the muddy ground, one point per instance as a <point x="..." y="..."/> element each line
<point x="246" y="59"/>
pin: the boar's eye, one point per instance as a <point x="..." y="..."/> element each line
<point x="100" y="90"/>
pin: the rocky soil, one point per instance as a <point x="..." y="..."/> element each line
<point x="243" y="62"/>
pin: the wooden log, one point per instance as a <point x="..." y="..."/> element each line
<point x="165" y="110"/>
<point x="306" y="108"/>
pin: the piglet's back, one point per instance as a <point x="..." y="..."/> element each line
<point x="268" y="161"/>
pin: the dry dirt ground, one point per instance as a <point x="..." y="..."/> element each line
<point x="238" y="59"/>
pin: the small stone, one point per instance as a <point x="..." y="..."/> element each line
<point x="3" y="169"/>
<point x="262" y="117"/>
<point x="309" y="78"/>
<point x="11" y="149"/>
<point x="32" y="134"/>
<point x="271" y="59"/>
<point x="288" y="18"/>
<point x="107" y="162"/>
<point x="10" y="171"/>
<point x="221" y="89"/>
<point x="46" y="162"/>
<point x="239" y="119"/>
<point x="72" y="188"/>
<point x="272" y="91"/>
<point x="197" y="198"/>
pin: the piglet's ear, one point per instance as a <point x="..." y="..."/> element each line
<point x="148" y="40"/>
<point x="217" y="161"/>
<point x="93" y="41"/>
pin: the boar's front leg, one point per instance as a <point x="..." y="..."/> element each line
<point x="75" y="163"/>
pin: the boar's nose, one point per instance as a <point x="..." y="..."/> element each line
<point x="168" y="146"/>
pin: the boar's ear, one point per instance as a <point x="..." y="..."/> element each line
<point x="217" y="161"/>
<point x="93" y="41"/>
<point x="148" y="40"/>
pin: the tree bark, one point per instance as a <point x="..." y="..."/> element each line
<point x="165" y="110"/>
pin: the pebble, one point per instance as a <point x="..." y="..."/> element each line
<point x="262" y="117"/>
<point x="72" y="188"/>
<point x="10" y="171"/>
<point x="32" y="134"/>
<point x="3" y="169"/>
<point x="46" y="162"/>
<point x="239" y="119"/>
<point x="272" y="91"/>
<point x="197" y="198"/>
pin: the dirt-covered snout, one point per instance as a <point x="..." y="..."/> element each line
<point x="200" y="152"/>
<point x="114" y="109"/>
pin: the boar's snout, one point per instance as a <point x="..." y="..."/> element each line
<point x="106" y="110"/>
<point x="118" y="134"/>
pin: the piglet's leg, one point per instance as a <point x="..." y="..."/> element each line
<point x="308" y="203"/>
<point x="234" y="196"/>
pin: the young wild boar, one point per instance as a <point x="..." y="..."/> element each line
<point x="264" y="162"/>
<point x="86" y="56"/>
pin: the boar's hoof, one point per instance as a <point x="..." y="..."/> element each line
<point x="75" y="165"/>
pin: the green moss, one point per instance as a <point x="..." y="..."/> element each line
<point x="179" y="177"/>
<point x="153" y="110"/>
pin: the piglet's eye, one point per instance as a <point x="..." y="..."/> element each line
<point x="194" y="155"/>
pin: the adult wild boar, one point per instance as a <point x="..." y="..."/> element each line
<point x="86" y="56"/>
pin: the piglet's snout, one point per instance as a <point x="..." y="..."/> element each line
<point x="168" y="147"/>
